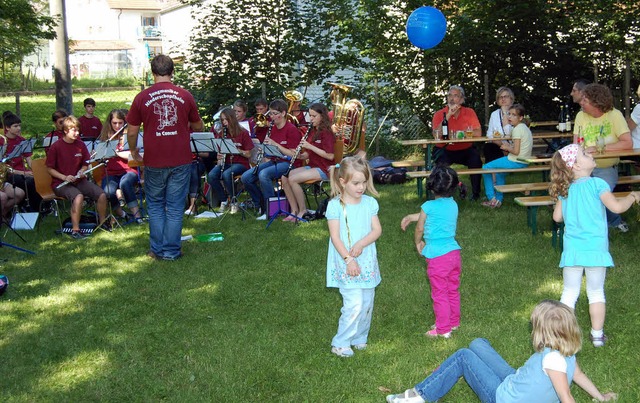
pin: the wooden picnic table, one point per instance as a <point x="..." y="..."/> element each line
<point x="545" y="159"/>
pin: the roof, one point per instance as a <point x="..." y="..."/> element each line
<point x="100" y="45"/>
<point x="155" y="5"/>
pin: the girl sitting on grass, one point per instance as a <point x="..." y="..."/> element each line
<point x="545" y="377"/>
<point x="521" y="146"/>
<point x="581" y="202"/>
<point x="435" y="240"/>
<point x="352" y="262"/>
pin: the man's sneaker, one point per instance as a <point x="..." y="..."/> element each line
<point x="598" y="341"/>
<point x="189" y="212"/>
<point x="434" y="333"/>
<point x="223" y="207"/>
<point x="77" y="235"/>
<point x="262" y="217"/>
<point x="622" y="227"/>
<point x="234" y="208"/>
<point x="344" y="352"/>
<point x="361" y="346"/>
<point x="408" y="396"/>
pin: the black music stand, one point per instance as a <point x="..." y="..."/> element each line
<point x="274" y="152"/>
<point x="102" y="151"/>
<point x="203" y="142"/>
<point x="25" y="146"/>
<point x="48" y="141"/>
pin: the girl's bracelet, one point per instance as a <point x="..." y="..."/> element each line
<point x="348" y="259"/>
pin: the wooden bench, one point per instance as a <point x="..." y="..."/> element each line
<point x="480" y="171"/>
<point x="540" y="186"/>
<point x="533" y="202"/>
<point x="408" y="164"/>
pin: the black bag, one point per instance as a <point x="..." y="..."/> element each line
<point x="322" y="209"/>
<point x="389" y="175"/>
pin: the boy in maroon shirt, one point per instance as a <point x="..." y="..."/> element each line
<point x="90" y="125"/>
<point x="67" y="161"/>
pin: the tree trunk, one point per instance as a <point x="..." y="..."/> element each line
<point x="62" y="70"/>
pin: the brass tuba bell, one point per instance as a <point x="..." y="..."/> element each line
<point x="292" y="96"/>
<point x="348" y="117"/>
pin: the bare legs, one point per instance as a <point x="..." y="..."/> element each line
<point x="292" y="187"/>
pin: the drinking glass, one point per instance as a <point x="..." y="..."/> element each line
<point x="437" y="134"/>
<point x="469" y="132"/>
<point x="600" y="145"/>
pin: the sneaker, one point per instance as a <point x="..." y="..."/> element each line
<point x="452" y="328"/>
<point x="362" y="346"/>
<point x="77" y="235"/>
<point x="189" y="212"/>
<point x="234" y="208"/>
<point x="598" y="341"/>
<point x="344" y="352"/>
<point x="409" y="396"/>
<point x="171" y="258"/>
<point x="622" y="227"/>
<point x="122" y="202"/>
<point x="223" y="207"/>
<point x="262" y="217"/>
<point x="434" y="333"/>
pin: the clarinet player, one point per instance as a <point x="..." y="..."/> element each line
<point x="286" y="137"/>
<point x="317" y="147"/>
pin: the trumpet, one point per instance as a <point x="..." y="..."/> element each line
<point x="80" y="174"/>
<point x="260" y="155"/>
<point x="261" y="120"/>
<point x="297" y="152"/>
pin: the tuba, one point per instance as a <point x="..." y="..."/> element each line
<point x="292" y="97"/>
<point x="348" y="117"/>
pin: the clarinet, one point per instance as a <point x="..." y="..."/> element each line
<point x="260" y="154"/>
<point x="297" y="153"/>
<point x="221" y="161"/>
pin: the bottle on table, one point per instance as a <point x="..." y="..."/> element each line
<point x="445" y="127"/>
<point x="562" y="124"/>
<point x="567" y="119"/>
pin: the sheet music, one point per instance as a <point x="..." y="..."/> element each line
<point x="202" y="142"/>
<point x="105" y="149"/>
<point x="47" y="141"/>
<point x="226" y="146"/>
<point x="25" y="146"/>
<point x="272" y="151"/>
<point x="140" y="143"/>
<point x="245" y="125"/>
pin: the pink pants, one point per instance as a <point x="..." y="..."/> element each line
<point x="444" y="276"/>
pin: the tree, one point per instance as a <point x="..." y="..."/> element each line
<point x="22" y="27"/>
<point x="62" y="70"/>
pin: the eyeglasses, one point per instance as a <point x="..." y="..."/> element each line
<point x="504" y="96"/>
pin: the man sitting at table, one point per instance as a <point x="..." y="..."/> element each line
<point x="459" y="118"/>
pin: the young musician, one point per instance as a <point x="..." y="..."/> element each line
<point x="57" y="117"/>
<point x="91" y="127"/>
<point x="230" y="165"/>
<point x="286" y="137"/>
<point x="240" y="108"/>
<point x="261" y="120"/>
<point x="67" y="162"/>
<point x="120" y="180"/>
<point x="318" y="149"/>
<point x="21" y="176"/>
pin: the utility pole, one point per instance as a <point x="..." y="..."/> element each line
<point x="61" y="68"/>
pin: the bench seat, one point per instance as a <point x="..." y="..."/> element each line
<point x="408" y="164"/>
<point x="480" y="171"/>
<point x="539" y="186"/>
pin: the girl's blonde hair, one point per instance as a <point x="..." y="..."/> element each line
<point x="554" y="325"/>
<point x="561" y="177"/>
<point x="345" y="169"/>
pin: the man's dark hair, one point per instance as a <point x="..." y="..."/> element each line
<point x="89" y="101"/>
<point x="162" y="65"/>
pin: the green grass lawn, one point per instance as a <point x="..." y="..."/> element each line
<point x="35" y="111"/>
<point x="250" y="318"/>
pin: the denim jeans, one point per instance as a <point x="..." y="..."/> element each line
<point x="480" y="365"/>
<point x="197" y="169"/>
<point x="126" y="183"/>
<point x="267" y="173"/>
<point x="355" y="318"/>
<point x="503" y="162"/>
<point x="166" y="190"/>
<point x="609" y="175"/>
<point x="226" y="175"/>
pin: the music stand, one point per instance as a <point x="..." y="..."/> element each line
<point x="91" y="144"/>
<point x="3" y="221"/>
<point x="47" y="141"/>
<point x="202" y="142"/>
<point x="274" y="152"/>
<point x="103" y="150"/>
<point x="140" y="143"/>
<point x="25" y="147"/>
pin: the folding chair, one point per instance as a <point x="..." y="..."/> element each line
<point x="43" y="180"/>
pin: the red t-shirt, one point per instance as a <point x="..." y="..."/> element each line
<point x="289" y="137"/>
<point x="18" y="162"/>
<point x="67" y="158"/>
<point x="466" y="117"/>
<point x="242" y="142"/>
<point x="90" y="128"/>
<point x="116" y="165"/>
<point x="165" y="111"/>
<point x="325" y="142"/>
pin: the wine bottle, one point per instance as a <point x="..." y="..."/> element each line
<point x="445" y="127"/>
<point x="567" y="118"/>
<point x="562" y="124"/>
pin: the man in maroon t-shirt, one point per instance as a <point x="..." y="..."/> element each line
<point x="168" y="114"/>
<point x="90" y="125"/>
<point x="459" y="118"/>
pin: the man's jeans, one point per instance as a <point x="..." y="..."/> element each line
<point x="166" y="191"/>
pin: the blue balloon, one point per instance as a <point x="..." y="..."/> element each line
<point x="426" y="27"/>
